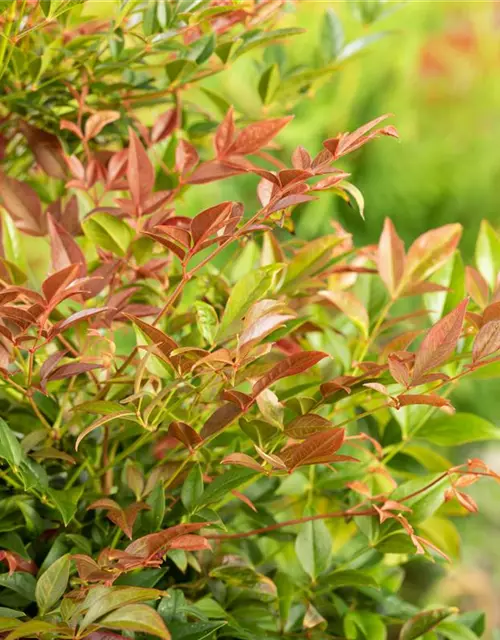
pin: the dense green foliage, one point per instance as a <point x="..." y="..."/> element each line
<point x="211" y="428"/>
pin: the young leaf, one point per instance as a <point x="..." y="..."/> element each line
<point x="256" y="136"/>
<point x="390" y="257"/>
<point x="23" y="204"/>
<point x="136" y="617"/>
<point x="487" y="341"/>
<point x="97" y="121"/>
<point x="295" y="364"/>
<point x="52" y="584"/>
<point x="440" y="342"/>
<point x="313" y="547"/>
<point x="140" y="172"/>
<point x="192" y="488"/>
<point x="10" y="449"/>
<point x="108" y="232"/>
<point x="208" y="322"/>
<point x="245" y="292"/>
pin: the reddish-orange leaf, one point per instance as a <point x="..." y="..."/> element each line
<point x="304" y="426"/>
<point x="72" y="369"/>
<point x="186" y="157"/>
<point x="212" y="171"/>
<point x="225" y="134"/>
<point x="256" y="136"/>
<point x="431" y="399"/>
<point x="440" y="342"/>
<point x="140" y="172"/>
<point x="318" y="448"/>
<point x="400" y="366"/>
<point x="78" y="316"/>
<point x="190" y="542"/>
<point x="487" y="341"/>
<point x="245" y="499"/>
<point x="390" y="257"/>
<point x="295" y="364"/>
<point x="155" y="542"/>
<point x="71" y="126"/>
<point x="97" y="121"/>
<point x="301" y="158"/>
<point x="57" y="282"/>
<point x="205" y="222"/>
<point x="164" y="125"/>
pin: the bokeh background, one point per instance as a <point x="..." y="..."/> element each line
<point x="436" y="67"/>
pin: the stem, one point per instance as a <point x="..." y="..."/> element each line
<point x="289" y="523"/>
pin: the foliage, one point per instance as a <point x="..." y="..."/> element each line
<point x="210" y="428"/>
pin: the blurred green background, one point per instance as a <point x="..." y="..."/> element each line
<point x="436" y="67"/>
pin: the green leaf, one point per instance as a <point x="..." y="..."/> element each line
<point x="10" y="449"/>
<point x="425" y="621"/>
<point x="194" y="630"/>
<point x="313" y="547"/>
<point x="256" y="38"/>
<point x="137" y="617"/>
<point x="456" y="631"/>
<point x="192" y="489"/>
<point x="66" y="501"/>
<point x="207" y="320"/>
<point x="51" y="585"/>
<point x="8" y="622"/>
<point x="156" y="500"/>
<point x="269" y="84"/>
<point x="349" y="578"/>
<point x="488" y="252"/>
<point x="179" y="69"/>
<point x="103" y="600"/>
<point x="108" y="232"/>
<point x="32" y="628"/>
<point x="457" y="429"/>
<point x="443" y="533"/>
<point x="249" y="289"/>
<point x="310" y="259"/>
<point x="22" y="583"/>
<point x="356" y="46"/>
<point x="45" y="5"/>
<point x="452" y="276"/>
<point x="225" y="483"/>
<point x="332" y="35"/>
<point x="427" y="501"/>
<point x="369" y="624"/>
<point x="104" y="407"/>
<point x="428" y="458"/>
<point x="173" y="606"/>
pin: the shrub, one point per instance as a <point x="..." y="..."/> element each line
<point x="211" y="429"/>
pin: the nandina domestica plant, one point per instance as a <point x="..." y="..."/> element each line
<point x="210" y="428"/>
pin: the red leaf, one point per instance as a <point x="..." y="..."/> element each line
<point x="50" y="364"/>
<point x="72" y="369"/>
<point x="317" y="449"/>
<point x="487" y="341"/>
<point x="71" y="126"/>
<point x="290" y="201"/>
<point x="257" y="135"/>
<point x="57" y="282"/>
<point x="400" y="365"/>
<point x="204" y="223"/>
<point x="46" y="149"/>
<point x="74" y="318"/>
<point x="185" y="434"/>
<point x="391" y="257"/>
<point x="140" y="172"/>
<point x="164" y="125"/>
<point x="97" y="121"/>
<point x="23" y="204"/>
<point x="64" y="249"/>
<point x="440" y="342"/>
<point x="301" y="158"/>
<point x="245" y="499"/>
<point x="296" y="363"/>
<point x="212" y="171"/>
<point x="220" y="419"/>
